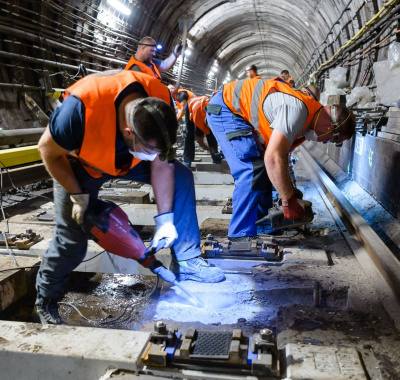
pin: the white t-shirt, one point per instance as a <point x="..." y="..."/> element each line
<point x="286" y="113"/>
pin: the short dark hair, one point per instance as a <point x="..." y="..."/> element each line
<point x="251" y="67"/>
<point x="285" y="72"/>
<point x="148" y="41"/>
<point x="147" y="127"/>
<point x="183" y="95"/>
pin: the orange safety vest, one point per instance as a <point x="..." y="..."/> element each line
<point x="246" y="98"/>
<point x="257" y="77"/>
<point x="288" y="81"/>
<point x="190" y="93"/>
<point x="98" y="92"/>
<point x="153" y="70"/>
<point x="198" y="113"/>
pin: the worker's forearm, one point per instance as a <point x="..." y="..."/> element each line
<point x="163" y="182"/>
<point x="167" y="63"/>
<point x="180" y="113"/>
<point x="60" y="169"/>
<point x="277" y="169"/>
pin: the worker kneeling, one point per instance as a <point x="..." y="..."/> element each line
<point x="256" y="124"/>
<point x="115" y="124"/>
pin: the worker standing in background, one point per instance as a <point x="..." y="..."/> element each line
<point x="251" y="72"/>
<point x="182" y="96"/>
<point x="181" y="105"/>
<point x="256" y="124"/>
<point x="198" y="116"/>
<point x="144" y="61"/>
<point x="287" y="78"/>
<point x="115" y="124"/>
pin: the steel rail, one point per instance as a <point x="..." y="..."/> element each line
<point x="24" y="175"/>
<point x="378" y="262"/>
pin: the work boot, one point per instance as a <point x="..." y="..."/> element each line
<point x="46" y="311"/>
<point x="196" y="269"/>
<point x="242" y="238"/>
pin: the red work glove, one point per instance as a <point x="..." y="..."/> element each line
<point x="293" y="208"/>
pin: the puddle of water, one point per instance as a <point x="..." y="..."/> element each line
<point x="224" y="308"/>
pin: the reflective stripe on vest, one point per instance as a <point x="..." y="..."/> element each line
<point x="236" y="95"/>
<point x="196" y="99"/>
<point x="98" y="93"/>
<point x="255" y="100"/>
<point x="198" y="113"/>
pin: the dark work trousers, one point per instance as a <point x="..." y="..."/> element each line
<point x="188" y="150"/>
<point x="252" y="196"/>
<point x="212" y="142"/>
<point x="69" y="244"/>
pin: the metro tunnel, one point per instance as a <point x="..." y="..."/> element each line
<point x="199" y="189"/>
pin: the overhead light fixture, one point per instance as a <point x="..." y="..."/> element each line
<point x="159" y="46"/>
<point x="215" y="69"/>
<point x="119" y="7"/>
<point x="188" y="52"/>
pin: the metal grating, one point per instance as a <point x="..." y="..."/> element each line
<point x="212" y="345"/>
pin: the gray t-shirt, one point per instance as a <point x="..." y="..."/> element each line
<point x="286" y="113"/>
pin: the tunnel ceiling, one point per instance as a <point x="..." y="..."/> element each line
<point x="239" y="33"/>
<point x="272" y="35"/>
<point x="54" y="37"/>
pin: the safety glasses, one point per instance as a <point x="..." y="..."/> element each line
<point x="336" y="125"/>
<point x="137" y="139"/>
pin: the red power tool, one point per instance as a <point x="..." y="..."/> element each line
<point x="109" y="226"/>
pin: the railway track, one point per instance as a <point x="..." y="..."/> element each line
<point x="333" y="293"/>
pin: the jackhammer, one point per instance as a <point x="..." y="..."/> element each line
<point x="109" y="226"/>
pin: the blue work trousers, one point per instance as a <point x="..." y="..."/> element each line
<point x="68" y="247"/>
<point x="252" y="196"/>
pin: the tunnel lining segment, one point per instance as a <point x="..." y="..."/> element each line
<point x="375" y="258"/>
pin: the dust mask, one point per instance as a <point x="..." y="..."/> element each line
<point x="143" y="156"/>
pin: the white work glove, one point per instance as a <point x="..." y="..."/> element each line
<point x="177" y="49"/>
<point x="80" y="205"/>
<point x="165" y="229"/>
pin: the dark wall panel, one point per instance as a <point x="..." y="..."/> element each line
<point x="377" y="167"/>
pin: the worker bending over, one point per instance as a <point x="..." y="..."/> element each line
<point x="115" y="124"/>
<point x="188" y="147"/>
<point x="256" y="124"/>
<point x="198" y="116"/>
